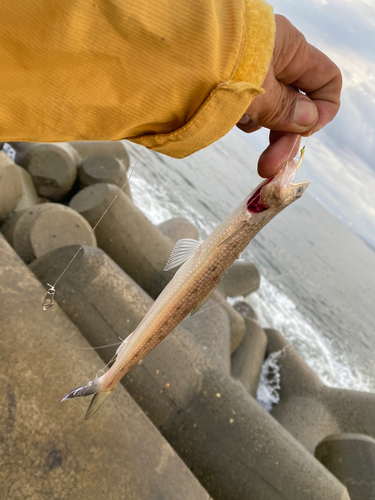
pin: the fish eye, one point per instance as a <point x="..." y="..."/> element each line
<point x="299" y="190"/>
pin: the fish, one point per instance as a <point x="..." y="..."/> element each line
<point x="203" y="266"/>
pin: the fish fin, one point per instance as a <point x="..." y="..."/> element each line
<point x="234" y="232"/>
<point x="96" y="403"/>
<point x="83" y="390"/>
<point x="92" y="387"/>
<point x="201" y="303"/>
<point x="182" y="251"/>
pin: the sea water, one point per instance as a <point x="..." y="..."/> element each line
<point x="317" y="275"/>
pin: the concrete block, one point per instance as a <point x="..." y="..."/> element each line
<point x="235" y="448"/>
<point x="301" y="409"/>
<point x="43" y="228"/>
<point x="245" y="310"/>
<point x="7" y="227"/>
<point x="242" y="278"/>
<point x="112" y="148"/>
<point x="29" y="195"/>
<point x="248" y="359"/>
<point x="311" y="411"/>
<point x="10" y="185"/>
<point x="52" y="168"/>
<point x="46" y="449"/>
<point x="21" y="148"/>
<point x="103" y="168"/>
<point x="178" y="228"/>
<point x="237" y="323"/>
<point x="126" y="235"/>
<point x="351" y="458"/>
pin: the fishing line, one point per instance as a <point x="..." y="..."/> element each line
<point x="48" y="300"/>
<point x="116" y="344"/>
<point x="291" y="151"/>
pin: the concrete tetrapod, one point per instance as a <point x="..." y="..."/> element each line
<point x="52" y="168"/>
<point x="351" y="458"/>
<point x="10" y="185"/>
<point x="29" y="195"/>
<point x="113" y="148"/>
<point x="245" y="310"/>
<point x="178" y="228"/>
<point x="46" y="449"/>
<point x="126" y="235"/>
<point x="234" y="447"/>
<point x="248" y="359"/>
<point x="243" y="279"/>
<point x="310" y="410"/>
<point x="42" y="228"/>
<point x="103" y="168"/>
<point x="23" y="148"/>
<point x="236" y="321"/>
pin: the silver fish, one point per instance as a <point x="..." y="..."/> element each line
<point x="204" y="266"/>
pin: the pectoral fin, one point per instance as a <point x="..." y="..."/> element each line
<point x="182" y="251"/>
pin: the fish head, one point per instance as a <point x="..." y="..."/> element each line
<point x="278" y="192"/>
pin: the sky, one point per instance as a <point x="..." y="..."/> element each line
<point x="340" y="159"/>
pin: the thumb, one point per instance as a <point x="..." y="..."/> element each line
<point x="282" y="108"/>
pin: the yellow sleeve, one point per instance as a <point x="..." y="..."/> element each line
<point x="172" y="75"/>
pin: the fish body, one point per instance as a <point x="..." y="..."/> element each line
<point x="198" y="277"/>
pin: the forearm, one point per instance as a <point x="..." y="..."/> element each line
<point x="174" y="80"/>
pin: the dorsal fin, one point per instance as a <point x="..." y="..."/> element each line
<point x="182" y="251"/>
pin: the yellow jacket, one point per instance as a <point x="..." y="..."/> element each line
<point x="172" y="75"/>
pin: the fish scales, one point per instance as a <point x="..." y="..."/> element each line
<point x="178" y="305"/>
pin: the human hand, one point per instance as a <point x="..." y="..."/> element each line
<point x="296" y="66"/>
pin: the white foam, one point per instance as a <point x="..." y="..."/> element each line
<point x="276" y="310"/>
<point x="269" y="381"/>
<point x="156" y="204"/>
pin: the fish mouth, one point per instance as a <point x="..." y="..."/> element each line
<point x="278" y="190"/>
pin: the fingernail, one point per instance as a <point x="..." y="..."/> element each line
<point x="305" y="113"/>
<point x="245" y="119"/>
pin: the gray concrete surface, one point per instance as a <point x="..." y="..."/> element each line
<point x="10" y="185"/>
<point x="47" y="450"/>
<point x="248" y="359"/>
<point x="103" y="168"/>
<point x="245" y="310"/>
<point x="236" y="321"/>
<point x="351" y="458"/>
<point x="42" y="228"/>
<point x="232" y="445"/>
<point x="29" y="195"/>
<point x="126" y="235"/>
<point x="52" y="168"/>
<point x="178" y="228"/>
<point x="113" y="148"/>
<point x="243" y="279"/>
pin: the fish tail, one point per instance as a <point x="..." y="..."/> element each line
<point x="95" y="387"/>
